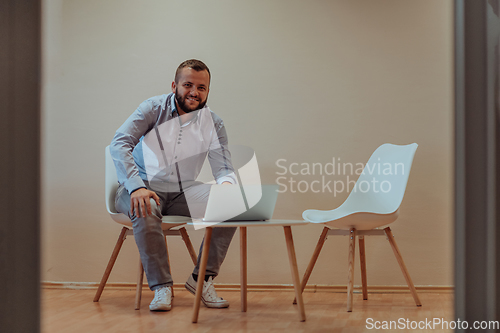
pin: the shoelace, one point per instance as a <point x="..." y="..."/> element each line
<point x="159" y="294"/>
<point x="209" y="291"/>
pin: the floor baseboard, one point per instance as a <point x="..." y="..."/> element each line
<point x="257" y="287"/>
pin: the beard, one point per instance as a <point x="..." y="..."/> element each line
<point x="181" y="102"/>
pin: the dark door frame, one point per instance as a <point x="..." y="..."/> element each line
<point x="20" y="165"/>
<point x="477" y="154"/>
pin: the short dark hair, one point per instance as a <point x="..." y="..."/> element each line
<point x="197" y="65"/>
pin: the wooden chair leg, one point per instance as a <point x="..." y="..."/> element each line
<point x="114" y="255"/>
<point x="350" y="277"/>
<point x="168" y="258"/>
<point x="402" y="265"/>
<point x="189" y="245"/>
<point x="138" y="290"/>
<point x="313" y="260"/>
<point x="362" y="260"/>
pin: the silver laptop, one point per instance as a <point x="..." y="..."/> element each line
<point x="241" y="203"/>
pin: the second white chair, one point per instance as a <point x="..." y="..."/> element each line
<point x="373" y="202"/>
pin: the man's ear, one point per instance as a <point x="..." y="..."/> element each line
<point x="173" y="87"/>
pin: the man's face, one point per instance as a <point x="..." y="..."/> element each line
<point x="191" y="90"/>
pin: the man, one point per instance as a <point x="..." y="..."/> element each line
<point x="158" y="153"/>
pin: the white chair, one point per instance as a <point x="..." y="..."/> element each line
<point x="373" y="202"/>
<point x="168" y="222"/>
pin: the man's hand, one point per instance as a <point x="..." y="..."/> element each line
<point x="139" y="202"/>
<point x="226" y="183"/>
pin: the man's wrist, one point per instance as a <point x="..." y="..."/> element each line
<point x="137" y="189"/>
<point x="228" y="178"/>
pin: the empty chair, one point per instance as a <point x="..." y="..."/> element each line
<point x="373" y="202"/>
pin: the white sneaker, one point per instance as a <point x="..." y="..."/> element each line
<point x="209" y="295"/>
<point x="162" y="300"/>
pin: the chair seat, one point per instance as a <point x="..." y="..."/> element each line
<point x="167" y="221"/>
<point x="340" y="219"/>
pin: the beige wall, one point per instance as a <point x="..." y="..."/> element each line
<point x="295" y="80"/>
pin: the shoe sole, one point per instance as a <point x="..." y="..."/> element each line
<point x="161" y="308"/>
<point x="192" y="290"/>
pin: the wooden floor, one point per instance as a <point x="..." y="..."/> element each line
<point x="73" y="311"/>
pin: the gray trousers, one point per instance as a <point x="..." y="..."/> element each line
<point x="149" y="235"/>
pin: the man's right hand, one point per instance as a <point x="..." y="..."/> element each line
<point x="139" y="202"/>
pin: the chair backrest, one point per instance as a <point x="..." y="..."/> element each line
<point x="381" y="186"/>
<point x="111" y="183"/>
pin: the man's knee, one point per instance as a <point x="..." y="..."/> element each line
<point x="155" y="208"/>
<point x="152" y="220"/>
